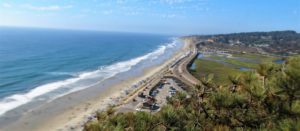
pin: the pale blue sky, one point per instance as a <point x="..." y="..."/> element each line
<point x="154" y="16"/>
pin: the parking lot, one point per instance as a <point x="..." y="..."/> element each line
<point x="151" y="99"/>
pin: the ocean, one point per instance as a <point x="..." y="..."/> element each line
<point x="45" y="64"/>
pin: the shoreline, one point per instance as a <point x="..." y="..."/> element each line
<point x="75" y="116"/>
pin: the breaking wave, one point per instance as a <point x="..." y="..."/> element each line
<point x="79" y="81"/>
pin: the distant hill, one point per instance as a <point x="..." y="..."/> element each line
<point x="279" y="42"/>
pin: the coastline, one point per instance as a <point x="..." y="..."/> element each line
<point x="75" y="115"/>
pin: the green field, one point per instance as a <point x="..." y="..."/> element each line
<point x="222" y="71"/>
<point x="260" y="58"/>
<point x="241" y="63"/>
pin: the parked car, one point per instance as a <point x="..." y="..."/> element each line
<point x="141" y="94"/>
<point x="154" y="107"/>
<point x="161" y="86"/>
<point x="172" y="88"/>
<point x="153" y="94"/>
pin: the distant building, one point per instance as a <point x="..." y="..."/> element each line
<point x="210" y="40"/>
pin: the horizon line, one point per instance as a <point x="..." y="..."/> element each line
<point x="134" y="32"/>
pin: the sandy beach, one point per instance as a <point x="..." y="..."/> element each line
<point x="70" y="112"/>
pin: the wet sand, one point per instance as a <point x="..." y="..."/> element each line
<point x="70" y="112"/>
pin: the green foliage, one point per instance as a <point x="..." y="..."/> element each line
<point x="92" y="126"/>
<point x="206" y="67"/>
<point x="266" y="99"/>
<point x="241" y="63"/>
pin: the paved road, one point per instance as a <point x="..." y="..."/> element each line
<point x="180" y="70"/>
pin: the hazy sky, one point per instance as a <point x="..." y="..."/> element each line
<point x="154" y="16"/>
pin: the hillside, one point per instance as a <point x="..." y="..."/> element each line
<point x="276" y="42"/>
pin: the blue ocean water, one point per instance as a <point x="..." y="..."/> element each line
<point x="34" y="62"/>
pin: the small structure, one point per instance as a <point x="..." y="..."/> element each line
<point x="150" y="102"/>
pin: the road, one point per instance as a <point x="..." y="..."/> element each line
<point x="180" y="70"/>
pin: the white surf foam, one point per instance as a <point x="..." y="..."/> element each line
<point x="63" y="73"/>
<point x="76" y="83"/>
